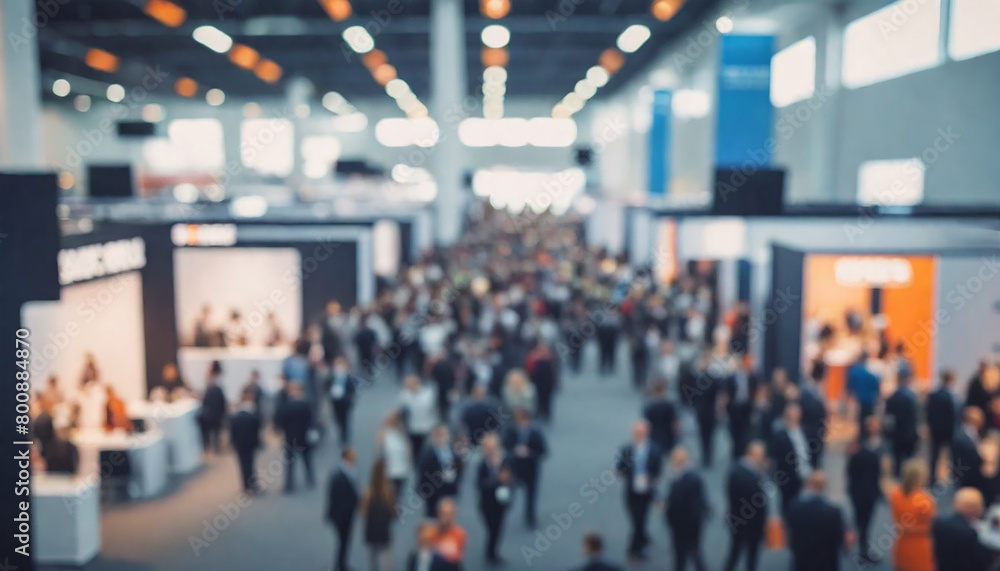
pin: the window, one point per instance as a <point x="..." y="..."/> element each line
<point x="267" y="146"/>
<point x="191" y="146"/>
<point x="973" y="28"/>
<point x="793" y="73"/>
<point x="899" y="39"/>
<point x="898" y="182"/>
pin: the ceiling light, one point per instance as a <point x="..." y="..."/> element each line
<point x="384" y="74"/>
<point x="495" y="74"/>
<point x="215" y="97"/>
<point x="338" y="10"/>
<point x="267" y="71"/>
<point x="724" y="25"/>
<point x="574" y="102"/>
<point x="248" y="206"/>
<point x="166" y="12"/>
<point x="82" y="103"/>
<point x="494" y="56"/>
<point x="663" y="10"/>
<point x="495" y="9"/>
<point x="115" y="93"/>
<point x="493" y="111"/>
<point x="418" y="111"/>
<point x="186" y="87"/>
<point x="397" y="88"/>
<point x="585" y="89"/>
<point x="351" y="122"/>
<point x="560" y="111"/>
<point x="212" y="38"/>
<point x="374" y="59"/>
<point x="244" y="56"/>
<point x="60" y="87"/>
<point x="611" y="60"/>
<point x="556" y="132"/>
<point x="102" y="60"/>
<point x="151" y="113"/>
<point x="407" y="101"/>
<point x="251" y="110"/>
<point x="186" y="193"/>
<point x="632" y="38"/>
<point x="495" y="36"/>
<point x="335" y="102"/>
<point x="66" y="180"/>
<point x="302" y="110"/>
<point x="598" y="76"/>
<point x="358" y="39"/>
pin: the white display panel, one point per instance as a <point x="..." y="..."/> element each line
<point x="251" y="281"/>
<point x="103" y="317"/>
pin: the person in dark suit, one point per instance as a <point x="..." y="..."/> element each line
<point x="343" y="391"/>
<point x="789" y="452"/>
<point x="901" y="410"/>
<point x="813" y="408"/>
<point x="439" y="470"/>
<point x="494" y="480"/>
<point x="747" y="515"/>
<point x="607" y="341"/>
<point x="864" y="474"/>
<point x="542" y="372"/>
<point x="296" y="421"/>
<point x="639" y="464"/>
<point x="366" y="342"/>
<point x="942" y="419"/>
<point x="426" y="557"/>
<point x="956" y="543"/>
<point x="703" y="394"/>
<point x="740" y="388"/>
<point x="816" y="530"/>
<point x="480" y="416"/>
<point x="686" y="511"/>
<point x="213" y="410"/>
<point x="445" y="380"/>
<point x="244" y="431"/>
<point x="593" y="549"/>
<point x="640" y="356"/>
<point x="966" y="462"/>
<point x="661" y="414"/>
<point x="527" y="447"/>
<point x="61" y="455"/>
<point x="342" y="501"/>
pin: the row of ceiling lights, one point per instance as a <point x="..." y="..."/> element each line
<point x="377" y="63"/>
<point x="495" y="58"/>
<point x="612" y="59"/>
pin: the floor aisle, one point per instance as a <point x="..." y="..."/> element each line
<point x="275" y="531"/>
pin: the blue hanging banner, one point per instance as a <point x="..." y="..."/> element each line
<point x="659" y="144"/>
<point x="745" y="112"/>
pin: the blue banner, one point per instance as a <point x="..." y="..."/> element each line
<point x="745" y="112"/>
<point x="659" y="144"/>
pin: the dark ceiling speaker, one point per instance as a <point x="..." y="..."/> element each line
<point x="584" y="156"/>
<point x="740" y="192"/>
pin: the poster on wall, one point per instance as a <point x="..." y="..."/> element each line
<point x="98" y="322"/>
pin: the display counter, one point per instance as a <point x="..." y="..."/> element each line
<point x="147" y="454"/>
<point x="67" y="519"/>
<point x="178" y="421"/>
<point x="237" y="364"/>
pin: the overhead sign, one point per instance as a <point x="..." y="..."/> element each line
<point x="99" y="260"/>
<point x="873" y="271"/>
<point x="203" y="234"/>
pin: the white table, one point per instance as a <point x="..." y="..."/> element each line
<point x="178" y="421"/>
<point x="66" y="516"/>
<point x="237" y="363"/>
<point x="147" y="453"/>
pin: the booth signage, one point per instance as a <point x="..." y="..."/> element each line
<point x="877" y="272"/>
<point x="98" y="260"/>
<point x="743" y="129"/>
<point x="203" y="234"/>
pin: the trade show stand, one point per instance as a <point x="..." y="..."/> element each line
<point x="178" y="421"/>
<point x="237" y="364"/>
<point x="147" y="455"/>
<point x="67" y="517"/>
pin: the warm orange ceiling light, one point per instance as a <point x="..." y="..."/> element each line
<point x="374" y="59"/>
<point x="494" y="8"/>
<point x="186" y="87"/>
<point x="611" y="60"/>
<point x="268" y="71"/>
<point x="244" y="56"/>
<point x="102" y="60"/>
<point x="166" y="12"/>
<point x="338" y="10"/>
<point x="663" y="10"/>
<point x="495" y="56"/>
<point x="384" y="74"/>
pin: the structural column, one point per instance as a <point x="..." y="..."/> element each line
<point x="20" y="95"/>
<point x="448" y="87"/>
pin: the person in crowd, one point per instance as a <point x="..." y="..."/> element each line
<point x="702" y="393"/>
<point x="442" y="372"/>
<point x="61" y="455"/>
<point x="942" y="419"/>
<point x="518" y="393"/>
<point x="366" y="342"/>
<point x="739" y="391"/>
<point x="439" y="470"/>
<point x="789" y="452"/>
<point x="745" y="486"/>
<point x="254" y="388"/>
<point x="426" y="557"/>
<point x="117" y="417"/>
<point x="901" y="416"/>
<point x="662" y="415"/>
<point x="205" y="333"/>
<point x="42" y="425"/>
<point x="235" y="332"/>
<point x="296" y="367"/>
<point x="281" y="398"/>
<point x="273" y="336"/>
<point x="813" y="408"/>
<point x="640" y="356"/>
<point x="863" y="386"/>
<point x="297" y="420"/>
<point x="607" y="340"/>
<point x="395" y="448"/>
<point x="90" y="373"/>
<point x="669" y="364"/>
<point x="966" y="463"/>
<point x="913" y="510"/>
<point x="53" y="392"/>
<point x="864" y="476"/>
<point x="593" y="552"/>
<point x="541" y="369"/>
<point x="244" y="432"/>
<point x="816" y="529"/>
<point x="480" y="416"/>
<point x="686" y="511"/>
<point x="451" y="537"/>
<point x="763" y="414"/>
<point x="639" y="464"/>
<point x="172" y="384"/>
<point x="527" y="447"/>
<point x="342" y="501"/>
<point x="495" y="481"/>
<point x="419" y="407"/>
<point x="213" y="410"/>
<point x="955" y="541"/>
<point x="331" y="327"/>
<point x="378" y="511"/>
<point x="343" y="391"/>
